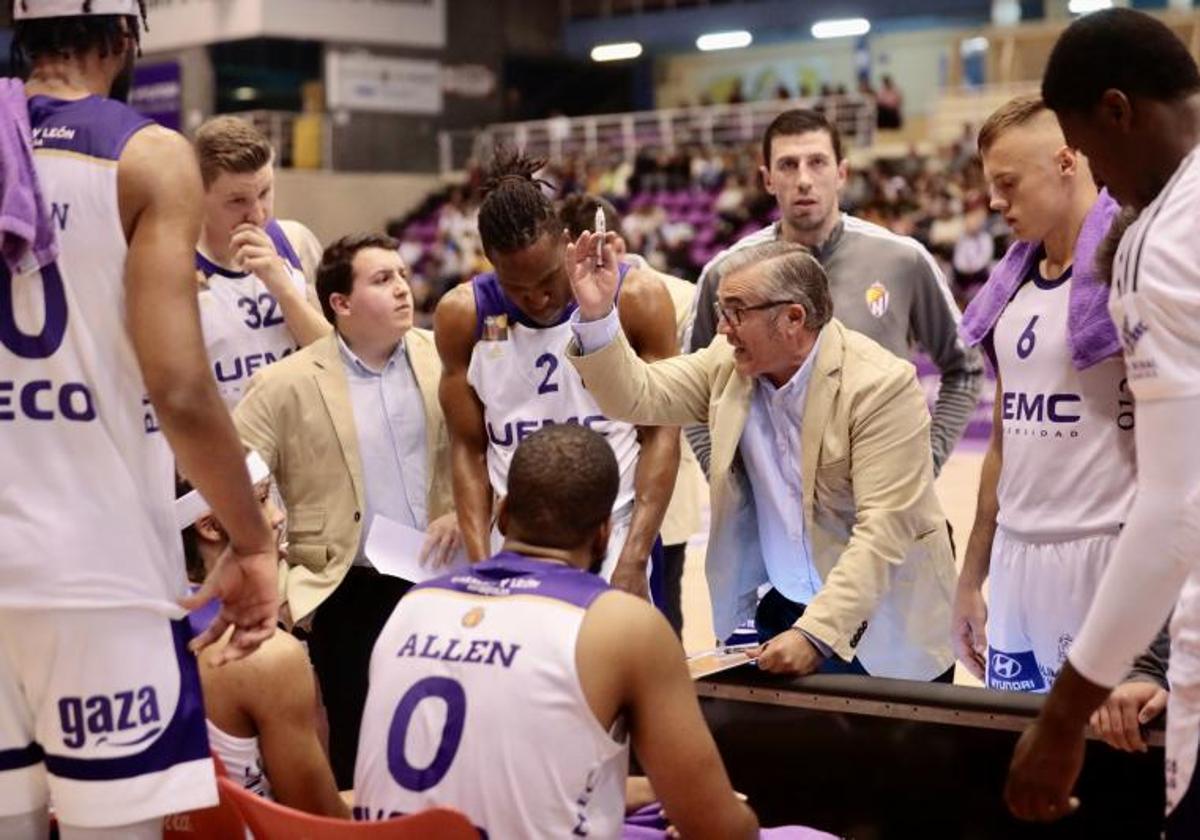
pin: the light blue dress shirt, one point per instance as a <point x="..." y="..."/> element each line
<point x="389" y="416"/>
<point x="770" y="449"/>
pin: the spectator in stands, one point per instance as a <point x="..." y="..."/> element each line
<point x="351" y="428"/>
<point x="885" y="286"/>
<point x="973" y="252"/>
<point x="889" y="104"/>
<point x="262" y="711"/>
<point x="831" y="500"/>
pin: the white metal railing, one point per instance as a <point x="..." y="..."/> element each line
<point x="712" y="126"/>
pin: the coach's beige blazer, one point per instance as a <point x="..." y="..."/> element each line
<point x="297" y="414"/>
<point x="878" y="534"/>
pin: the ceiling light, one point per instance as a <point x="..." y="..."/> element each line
<point x="724" y="40"/>
<point x="616" y="52"/>
<point x="841" y="28"/>
<point x="1082" y="7"/>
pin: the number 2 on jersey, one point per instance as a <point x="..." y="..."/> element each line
<point x="44" y="344"/>
<point x="550" y="362"/>
<point x="420" y="779"/>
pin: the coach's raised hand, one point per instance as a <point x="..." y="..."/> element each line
<point x="593" y="280"/>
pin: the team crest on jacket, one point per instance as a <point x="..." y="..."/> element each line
<point x="878" y="299"/>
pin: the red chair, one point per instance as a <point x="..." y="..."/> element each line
<point x="219" y="822"/>
<point x="269" y="820"/>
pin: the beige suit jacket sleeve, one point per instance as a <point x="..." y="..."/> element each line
<point x="670" y="392"/>
<point x="890" y="474"/>
<point x="256" y="424"/>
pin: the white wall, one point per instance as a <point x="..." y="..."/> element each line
<point x="333" y="204"/>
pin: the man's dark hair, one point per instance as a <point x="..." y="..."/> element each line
<point x="516" y="211"/>
<point x="75" y="35"/>
<point x="577" y="212"/>
<point x="800" y="121"/>
<point x="1117" y="49"/>
<point x="562" y="483"/>
<point x="335" y="274"/>
<point x="191" y="541"/>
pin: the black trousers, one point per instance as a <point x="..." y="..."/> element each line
<point x="777" y="613"/>
<point x="344" y="630"/>
<point x="673" y="558"/>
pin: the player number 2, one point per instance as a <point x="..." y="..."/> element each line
<point x="1027" y="340"/>
<point x="550" y="362"/>
<point x="43" y="344"/>
<point x="450" y="692"/>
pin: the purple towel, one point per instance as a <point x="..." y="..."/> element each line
<point x="648" y="824"/>
<point x="1091" y="334"/>
<point x="26" y="236"/>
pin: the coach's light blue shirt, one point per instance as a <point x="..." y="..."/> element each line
<point x="389" y="416"/>
<point x="770" y="449"/>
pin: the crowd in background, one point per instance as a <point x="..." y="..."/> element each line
<point x="681" y="209"/>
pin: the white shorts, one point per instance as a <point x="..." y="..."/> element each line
<point x="101" y="717"/>
<point x="1183" y="714"/>
<point x="1038" y="596"/>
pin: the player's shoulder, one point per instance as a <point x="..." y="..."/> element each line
<point x="1168" y="228"/>
<point x="885" y="245"/>
<point x="621" y="616"/>
<point x="268" y="667"/>
<point x="152" y="146"/>
<point x="455" y="319"/>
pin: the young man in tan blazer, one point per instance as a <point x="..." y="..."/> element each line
<point x="822" y="480"/>
<point x="351" y="428"/>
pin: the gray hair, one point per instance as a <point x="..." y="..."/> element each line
<point x="786" y="271"/>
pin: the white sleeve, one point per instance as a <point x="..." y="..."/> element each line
<point x="1157" y="306"/>
<point x="1157" y="547"/>
<point x="598" y="334"/>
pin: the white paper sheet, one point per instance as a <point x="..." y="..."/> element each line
<point x="395" y="549"/>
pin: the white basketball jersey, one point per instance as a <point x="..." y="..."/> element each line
<point x="519" y="372"/>
<point x="242" y="758"/>
<point x="1155" y="298"/>
<point x="86" y="478"/>
<point x="1068" y="446"/>
<point x="244" y="329"/>
<point x="475" y="703"/>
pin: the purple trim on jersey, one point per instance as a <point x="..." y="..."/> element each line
<point x="282" y="245"/>
<point x="93" y="126"/>
<point x="490" y="301"/>
<point x="208" y="268"/>
<point x="201" y="618"/>
<point x="278" y="238"/>
<point x="25" y="756"/>
<point x="508" y="573"/>
<point x="184" y="739"/>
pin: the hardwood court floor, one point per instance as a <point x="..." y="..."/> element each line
<point x="957" y="486"/>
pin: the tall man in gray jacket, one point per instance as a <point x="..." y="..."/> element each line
<point x="885" y="286"/>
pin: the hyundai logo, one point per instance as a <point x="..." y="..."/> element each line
<point x="1005" y="667"/>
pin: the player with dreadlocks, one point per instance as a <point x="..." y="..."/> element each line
<point x="103" y="374"/>
<point x="502" y="338"/>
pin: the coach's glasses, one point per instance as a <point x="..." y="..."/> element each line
<point x="733" y="315"/>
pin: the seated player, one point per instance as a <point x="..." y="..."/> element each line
<point x="512" y="692"/>
<point x="261" y="710"/>
<point x="255" y="272"/>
